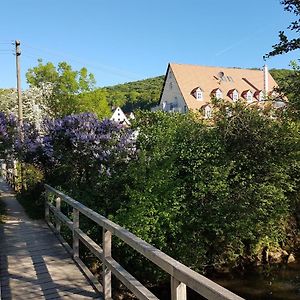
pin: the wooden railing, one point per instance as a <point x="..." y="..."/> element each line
<point x="181" y="275"/>
<point x="10" y="174"/>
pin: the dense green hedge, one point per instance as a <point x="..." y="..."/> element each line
<point x="210" y="193"/>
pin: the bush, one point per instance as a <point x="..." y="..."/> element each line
<point x="31" y="196"/>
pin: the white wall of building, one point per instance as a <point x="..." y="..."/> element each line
<point x="119" y="117"/>
<point x="171" y="99"/>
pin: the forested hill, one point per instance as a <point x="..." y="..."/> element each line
<point x="145" y="94"/>
<point x="142" y="94"/>
<point x="280" y="75"/>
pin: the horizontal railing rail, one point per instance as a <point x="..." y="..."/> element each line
<point x="181" y="275"/>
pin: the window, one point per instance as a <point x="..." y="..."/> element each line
<point x="219" y="94"/>
<point x="171" y="85"/>
<point x="249" y="97"/>
<point x="235" y="95"/>
<point x="259" y="95"/>
<point x="207" y="112"/>
<point x="199" y="94"/>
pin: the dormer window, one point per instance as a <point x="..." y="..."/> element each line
<point x="207" y="112"/>
<point x="198" y="93"/>
<point x="234" y="95"/>
<point x="247" y="95"/>
<point x="217" y="93"/>
<point x="259" y="95"/>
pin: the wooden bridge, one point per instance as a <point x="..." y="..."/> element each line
<point x="36" y="262"/>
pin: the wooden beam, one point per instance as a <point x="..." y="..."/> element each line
<point x="178" y="289"/>
<point x="106" y="272"/>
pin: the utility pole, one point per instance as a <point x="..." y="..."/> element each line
<point x="20" y="104"/>
<point x="20" y="109"/>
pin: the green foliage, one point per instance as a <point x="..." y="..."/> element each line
<point x="32" y="197"/>
<point x="286" y="44"/>
<point x="142" y="94"/>
<point x="95" y="102"/>
<point x="2" y="211"/>
<point x="289" y="88"/>
<point x="66" y="84"/>
<point x="289" y="84"/>
<point x="222" y="189"/>
<point x="280" y="75"/>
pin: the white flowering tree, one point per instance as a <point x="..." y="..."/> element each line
<point x="35" y="103"/>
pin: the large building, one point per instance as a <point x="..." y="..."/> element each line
<point x="191" y="87"/>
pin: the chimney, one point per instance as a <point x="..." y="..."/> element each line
<point x="266" y="81"/>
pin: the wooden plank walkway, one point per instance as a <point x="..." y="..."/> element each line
<point x="33" y="263"/>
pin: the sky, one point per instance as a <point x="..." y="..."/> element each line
<point x="127" y="40"/>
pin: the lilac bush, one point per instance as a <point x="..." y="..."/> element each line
<point x="79" y="153"/>
<point x="84" y="140"/>
<point x="8" y="133"/>
<point x="76" y="138"/>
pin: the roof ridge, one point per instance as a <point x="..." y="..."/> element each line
<point x="207" y="66"/>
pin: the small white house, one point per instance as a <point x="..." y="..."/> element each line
<point x="119" y="117"/>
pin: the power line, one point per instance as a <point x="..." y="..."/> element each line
<point x="103" y="68"/>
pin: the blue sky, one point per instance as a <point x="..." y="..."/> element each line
<point x="120" y="41"/>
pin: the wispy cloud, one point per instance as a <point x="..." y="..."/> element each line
<point x="242" y="41"/>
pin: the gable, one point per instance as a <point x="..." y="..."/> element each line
<point x="119" y="117"/>
<point x="171" y="98"/>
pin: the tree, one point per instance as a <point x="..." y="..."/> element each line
<point x="286" y="44"/>
<point x="142" y="94"/>
<point x="67" y="84"/>
<point x="35" y="103"/>
<point x="95" y="102"/>
<point x="289" y="87"/>
<point x="225" y="189"/>
<point x="8" y="134"/>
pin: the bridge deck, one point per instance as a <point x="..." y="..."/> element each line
<point x="33" y="263"/>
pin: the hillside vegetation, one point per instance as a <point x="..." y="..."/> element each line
<point x="142" y="94"/>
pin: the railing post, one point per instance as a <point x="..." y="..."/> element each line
<point x="58" y="207"/>
<point x="15" y="172"/>
<point x="75" y="237"/>
<point x="178" y="289"/>
<point x="46" y="207"/>
<point x="4" y="170"/>
<point x="106" y="273"/>
<point x="23" y="176"/>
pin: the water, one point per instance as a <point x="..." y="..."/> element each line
<point x="276" y="282"/>
<point x="265" y="283"/>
